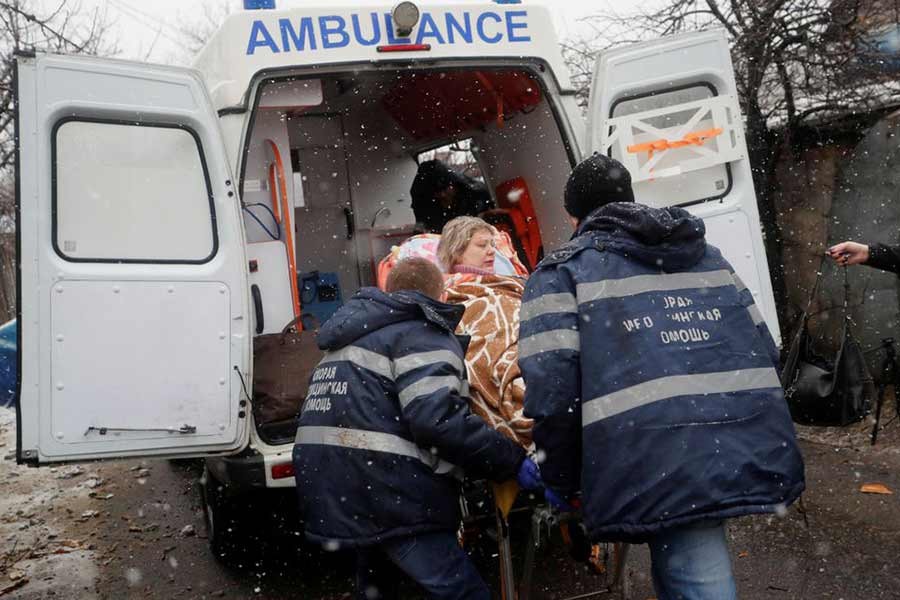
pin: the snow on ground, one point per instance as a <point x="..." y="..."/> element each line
<point x="35" y="506"/>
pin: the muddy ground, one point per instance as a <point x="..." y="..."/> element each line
<point x="134" y="529"/>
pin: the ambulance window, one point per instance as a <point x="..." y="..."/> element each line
<point x="459" y="156"/>
<point x="710" y="183"/>
<point x="130" y="193"/>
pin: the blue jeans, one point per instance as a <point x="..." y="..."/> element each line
<point x="434" y="560"/>
<point x="692" y="563"/>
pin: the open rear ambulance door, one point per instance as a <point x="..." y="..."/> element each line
<point x="133" y="328"/>
<point x="668" y="110"/>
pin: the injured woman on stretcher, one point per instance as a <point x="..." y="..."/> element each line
<point x="483" y="273"/>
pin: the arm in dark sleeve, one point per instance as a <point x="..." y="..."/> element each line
<point x="884" y="257"/>
<point x="432" y="392"/>
<point x="758" y="320"/>
<point x="549" y="357"/>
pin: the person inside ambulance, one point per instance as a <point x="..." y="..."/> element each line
<point x="467" y="251"/>
<point x="652" y="382"/>
<point x="440" y="194"/>
<point x="385" y="435"/>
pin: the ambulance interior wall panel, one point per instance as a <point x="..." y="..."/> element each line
<point x="272" y="278"/>
<point x="381" y="168"/>
<point x="321" y="226"/>
<point x="294" y="94"/>
<point x="381" y="172"/>
<point x="531" y="146"/>
<point x="269" y="125"/>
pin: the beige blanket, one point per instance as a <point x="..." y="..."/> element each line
<point x="492" y="320"/>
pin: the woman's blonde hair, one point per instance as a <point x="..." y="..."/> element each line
<point x="455" y="236"/>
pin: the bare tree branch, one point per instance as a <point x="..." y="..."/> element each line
<point x="197" y="32"/>
<point x="64" y="29"/>
<point x="797" y="62"/>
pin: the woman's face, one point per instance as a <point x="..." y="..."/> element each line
<point x="480" y="251"/>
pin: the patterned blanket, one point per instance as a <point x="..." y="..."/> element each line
<point x="492" y="320"/>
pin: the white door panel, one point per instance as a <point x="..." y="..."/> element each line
<point x="134" y="315"/>
<point x="668" y="110"/>
<point x="115" y="377"/>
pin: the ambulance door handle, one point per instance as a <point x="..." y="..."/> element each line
<point x="348" y="215"/>
<point x="258" y="307"/>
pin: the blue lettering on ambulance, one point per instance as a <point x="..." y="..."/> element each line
<point x="389" y="30"/>
<point x="464" y="30"/>
<point x="296" y="40"/>
<point x="357" y="31"/>
<point x="339" y="29"/>
<point x="512" y="26"/>
<point x="334" y="31"/>
<point x="259" y="36"/>
<point x="479" y="25"/>
<point x="428" y="28"/>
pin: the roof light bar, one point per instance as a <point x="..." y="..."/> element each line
<point x="404" y="48"/>
<point x="259" y="4"/>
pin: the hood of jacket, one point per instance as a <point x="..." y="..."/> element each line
<point x="668" y="238"/>
<point x="371" y="309"/>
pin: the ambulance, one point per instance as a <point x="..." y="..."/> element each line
<point x="167" y="216"/>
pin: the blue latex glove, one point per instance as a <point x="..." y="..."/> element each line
<point x="557" y="501"/>
<point x="529" y="475"/>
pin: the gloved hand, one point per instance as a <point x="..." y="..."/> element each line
<point x="557" y="501"/>
<point x="529" y="475"/>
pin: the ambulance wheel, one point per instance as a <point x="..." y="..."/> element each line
<point x="224" y="529"/>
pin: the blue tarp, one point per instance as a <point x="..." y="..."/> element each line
<point x="8" y="365"/>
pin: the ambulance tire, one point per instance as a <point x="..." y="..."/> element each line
<point x="228" y="523"/>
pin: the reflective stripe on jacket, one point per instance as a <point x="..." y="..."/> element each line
<point x="385" y="433"/>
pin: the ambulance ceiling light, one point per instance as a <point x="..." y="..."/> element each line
<point x="405" y="15"/>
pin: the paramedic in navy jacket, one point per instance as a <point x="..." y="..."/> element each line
<point x="385" y="434"/>
<point x="651" y="378"/>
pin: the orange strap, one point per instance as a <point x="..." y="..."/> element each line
<point x="288" y="229"/>
<point x="697" y="138"/>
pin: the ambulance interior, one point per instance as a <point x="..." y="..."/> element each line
<point x="329" y="164"/>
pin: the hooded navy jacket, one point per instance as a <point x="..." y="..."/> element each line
<point x="385" y="432"/>
<point x="651" y="377"/>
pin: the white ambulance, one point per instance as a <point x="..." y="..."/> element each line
<point x="168" y="215"/>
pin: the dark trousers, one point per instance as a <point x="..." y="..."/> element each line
<point x="434" y="560"/>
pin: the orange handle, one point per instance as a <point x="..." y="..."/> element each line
<point x="273" y="192"/>
<point x="288" y="229"/>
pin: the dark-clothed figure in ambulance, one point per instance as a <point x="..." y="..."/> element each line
<point x="651" y="377"/>
<point x="440" y="194"/>
<point x="385" y="435"/>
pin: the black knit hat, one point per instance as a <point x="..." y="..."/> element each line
<point x="595" y="182"/>
<point x="432" y="177"/>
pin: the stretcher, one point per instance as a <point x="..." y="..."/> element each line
<point x="603" y="558"/>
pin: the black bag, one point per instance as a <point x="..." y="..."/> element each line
<point x="820" y="391"/>
<point x="282" y="365"/>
